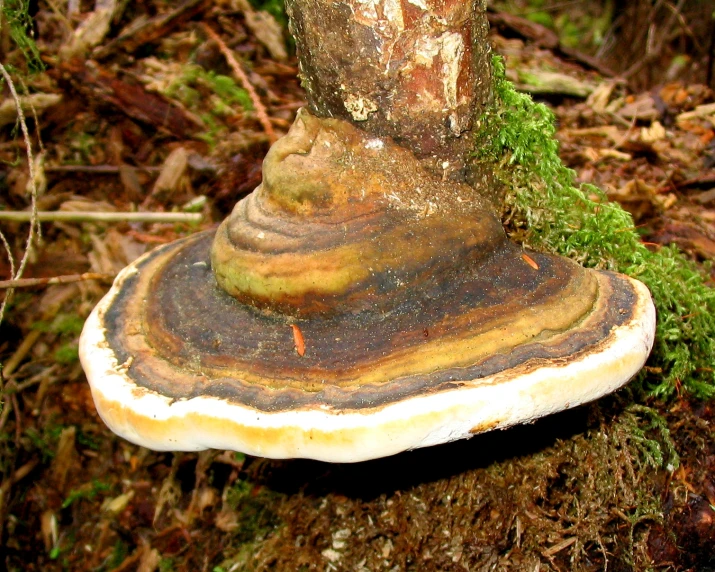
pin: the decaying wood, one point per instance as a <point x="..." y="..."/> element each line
<point x="704" y="180"/>
<point x="132" y="99"/>
<point x="533" y="31"/>
<point x="545" y="38"/>
<point x="145" y="31"/>
<point x="586" y="60"/>
<point x="538" y="81"/>
<point x="172" y="171"/>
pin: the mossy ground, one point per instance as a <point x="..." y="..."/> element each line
<point x="576" y="491"/>
<point x="582" y="490"/>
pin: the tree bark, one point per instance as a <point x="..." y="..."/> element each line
<point x="414" y="70"/>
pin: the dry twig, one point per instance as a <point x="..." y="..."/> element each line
<point x="93" y="216"/>
<point x="22" y="350"/>
<point x="247" y="85"/>
<point x="96" y="169"/>
<point x="51" y="281"/>
<point x="17" y="476"/>
<point x="34" y="222"/>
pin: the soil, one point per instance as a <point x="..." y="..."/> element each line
<point x="153" y="119"/>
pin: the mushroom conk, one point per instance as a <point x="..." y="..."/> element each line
<point x="352" y="307"/>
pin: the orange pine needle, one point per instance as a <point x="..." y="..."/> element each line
<point x="298" y="340"/>
<point x="530" y="261"/>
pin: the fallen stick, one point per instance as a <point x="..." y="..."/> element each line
<point x="90" y="216"/>
<point x="246" y="84"/>
<point x="97" y="169"/>
<point x="131" y="98"/>
<point x="52" y="280"/>
<point x="16" y="358"/>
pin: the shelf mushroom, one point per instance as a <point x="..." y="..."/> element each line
<point x="357" y="304"/>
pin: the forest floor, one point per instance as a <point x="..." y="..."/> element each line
<point x="139" y="110"/>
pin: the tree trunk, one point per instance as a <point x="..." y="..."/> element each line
<point x="414" y="70"/>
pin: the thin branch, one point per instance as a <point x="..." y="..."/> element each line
<point x="96" y="169"/>
<point x="34" y="222"/>
<point x="91" y="216"/>
<point x="243" y="78"/>
<point x="34" y="116"/>
<point x="678" y="14"/>
<point x="51" y="281"/>
<point x="19" y="354"/>
<point x="8" y="250"/>
<point x="9" y="481"/>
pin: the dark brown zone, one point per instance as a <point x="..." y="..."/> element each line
<point x="212" y="320"/>
<point x="202" y="317"/>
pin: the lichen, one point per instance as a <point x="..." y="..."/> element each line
<point x="546" y="210"/>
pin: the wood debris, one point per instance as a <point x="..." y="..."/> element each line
<point x="34" y="103"/>
<point x="132" y="98"/>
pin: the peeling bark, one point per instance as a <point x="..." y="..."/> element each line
<point x="414" y="70"/>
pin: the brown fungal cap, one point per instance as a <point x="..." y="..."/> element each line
<point x="335" y="317"/>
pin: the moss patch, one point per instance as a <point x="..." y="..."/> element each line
<point x="577" y="491"/>
<point x="16" y="14"/>
<point x="547" y="211"/>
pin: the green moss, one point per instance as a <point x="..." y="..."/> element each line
<point x="87" y="491"/>
<point x="255" y="520"/>
<point x="229" y="92"/>
<point x="548" y="212"/>
<point x="19" y="22"/>
<point x="119" y="552"/>
<point x="88" y="440"/>
<point x="68" y="324"/>
<point x="587" y="478"/>
<point x="44" y="443"/>
<point x="540" y="17"/>
<point x="67" y="354"/>
<point x="649" y="436"/>
<point x="195" y="84"/>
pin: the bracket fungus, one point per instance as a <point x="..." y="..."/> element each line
<point x="364" y="299"/>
